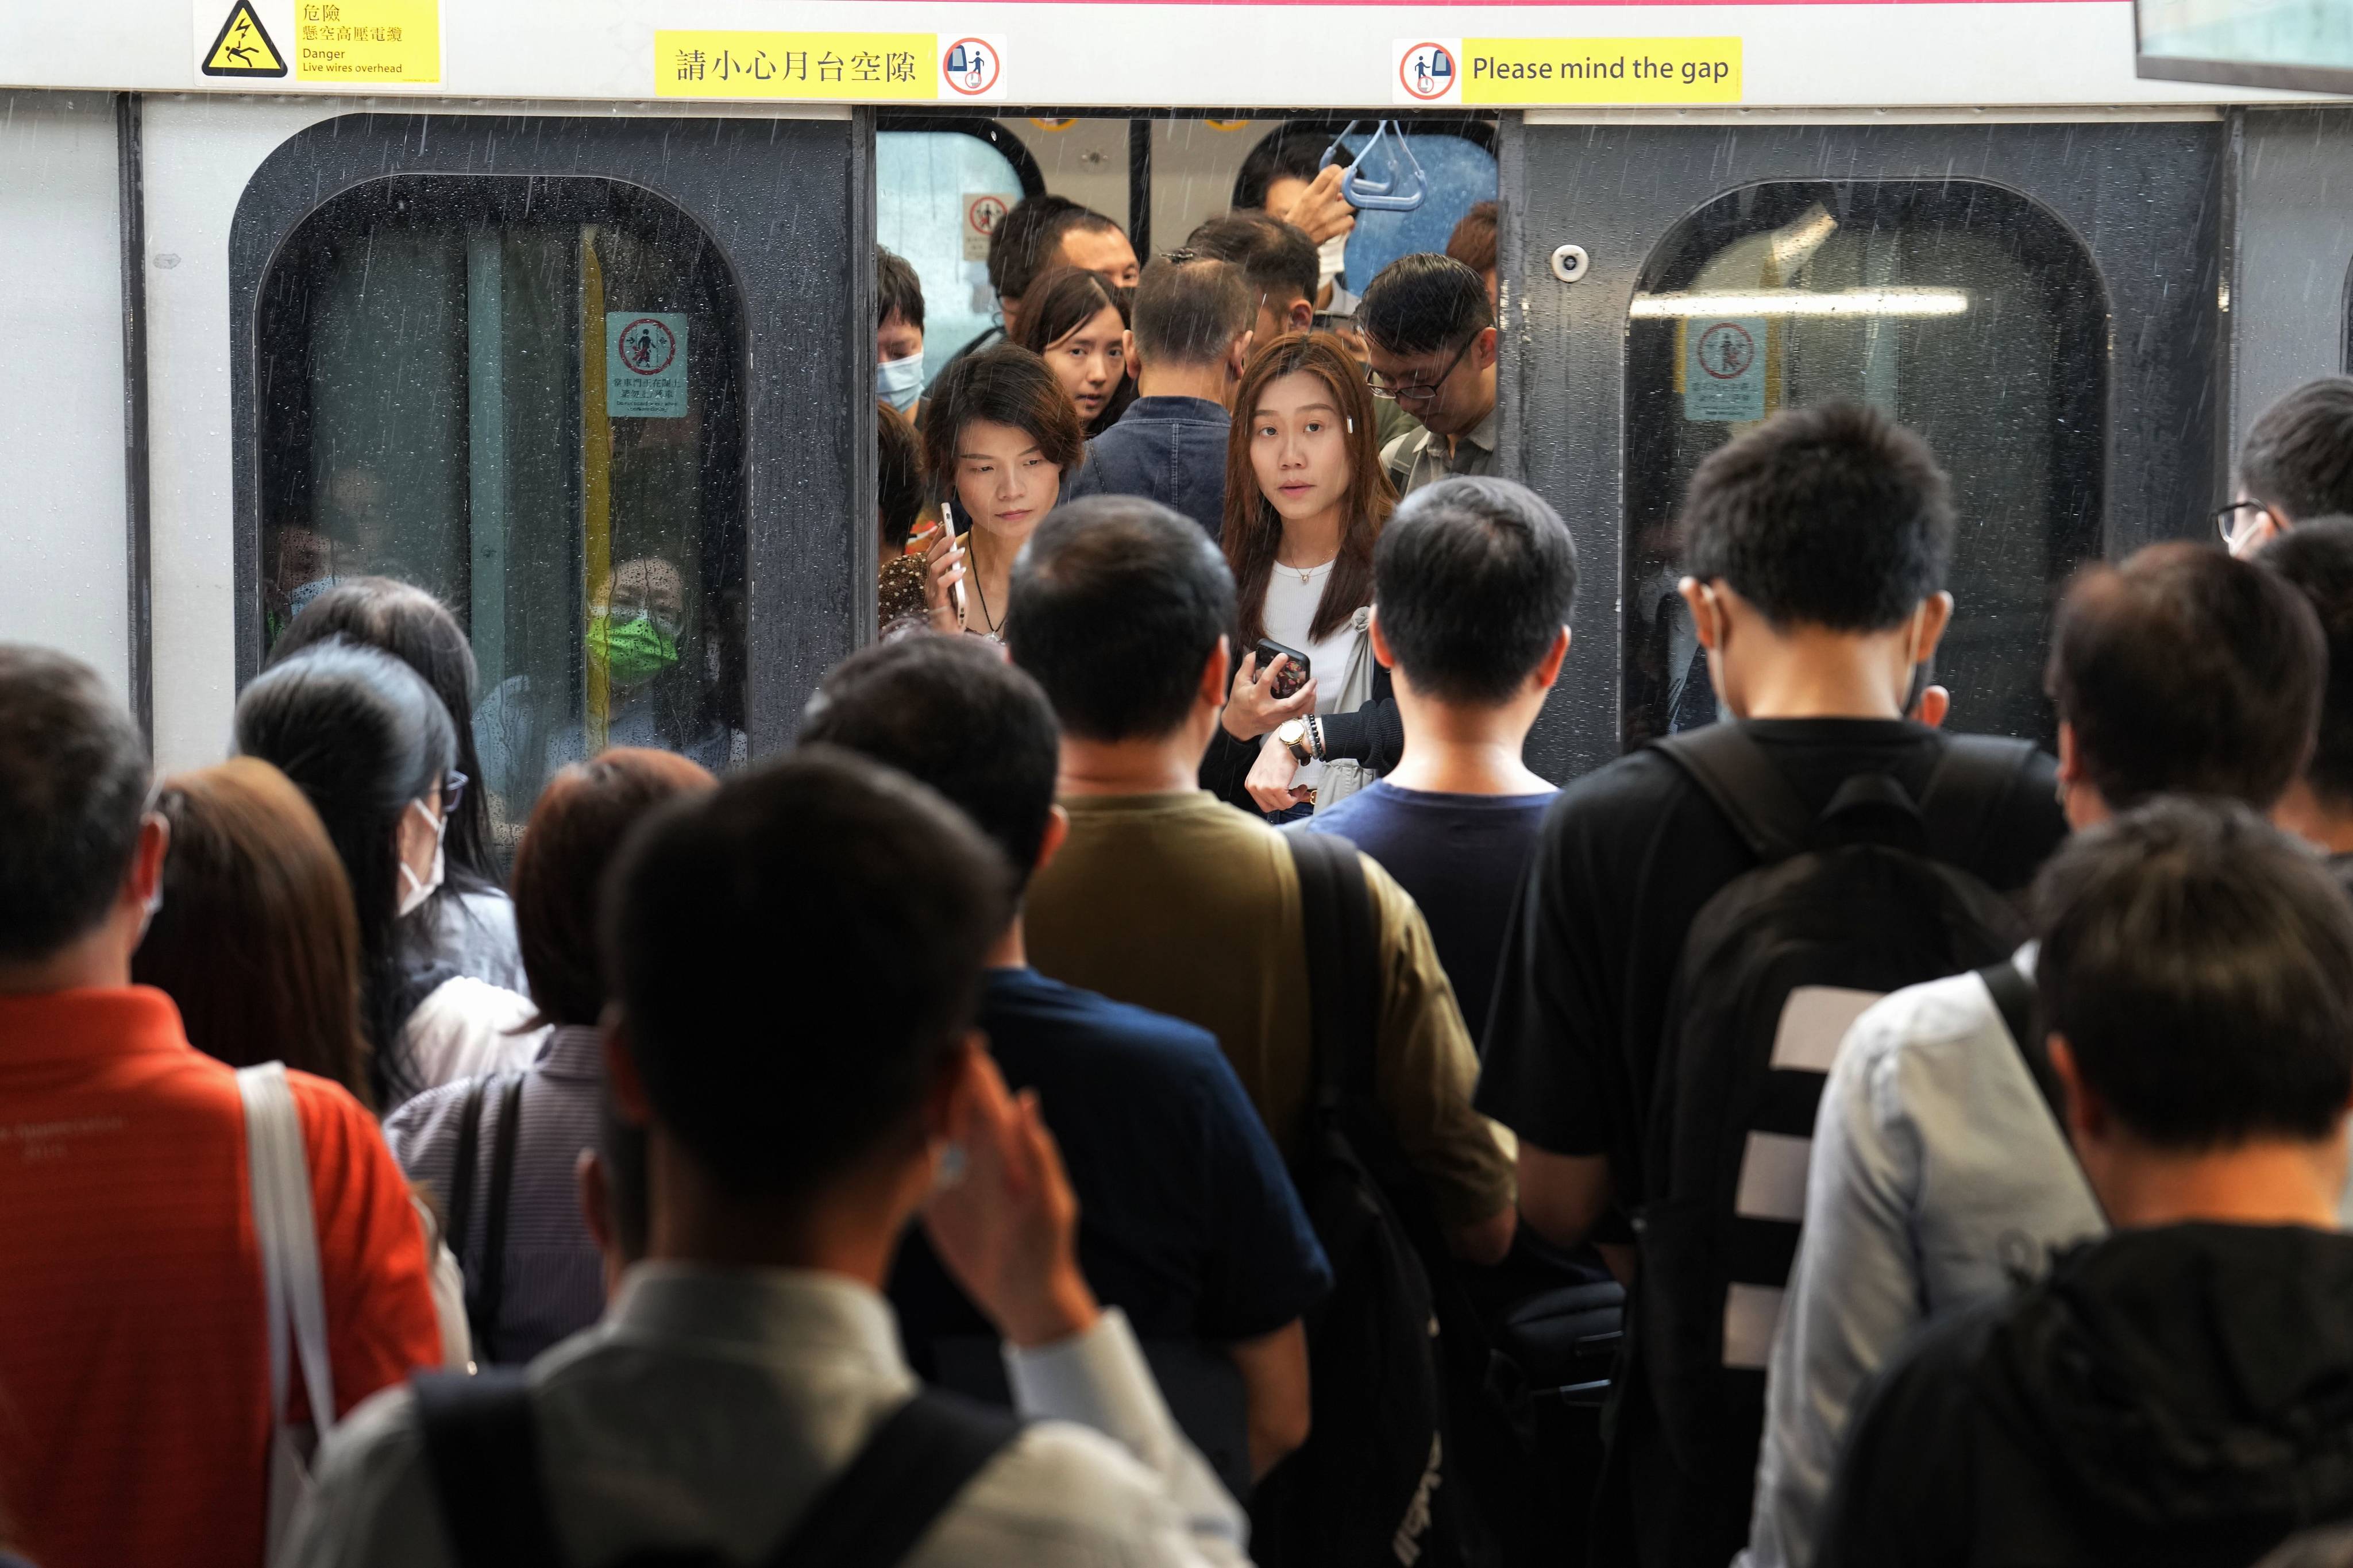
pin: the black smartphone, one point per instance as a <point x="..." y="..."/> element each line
<point x="1294" y="674"/>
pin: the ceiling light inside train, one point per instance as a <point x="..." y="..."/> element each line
<point x="1804" y="302"/>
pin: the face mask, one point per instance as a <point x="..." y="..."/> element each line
<point x="1330" y="257"/>
<point x="900" y="382"/>
<point x="418" y="891"/>
<point x="300" y="599"/>
<point x="633" y="652"/>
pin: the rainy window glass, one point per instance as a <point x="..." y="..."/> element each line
<point x="1959" y="309"/>
<point x="524" y="397"/>
<point x="924" y="184"/>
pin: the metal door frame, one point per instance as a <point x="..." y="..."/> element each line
<point x="788" y="204"/>
<point x="2147" y="198"/>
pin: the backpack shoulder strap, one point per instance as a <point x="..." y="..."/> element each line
<point x="2013" y="998"/>
<point x="916" y="1463"/>
<point x="486" y="1300"/>
<point x="1733" y="771"/>
<point x="461" y="1178"/>
<point x="482" y="1451"/>
<point x="1343" y="965"/>
<point x="1974" y="776"/>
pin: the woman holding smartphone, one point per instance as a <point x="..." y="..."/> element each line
<point x="1077" y="321"/>
<point x="1306" y="498"/>
<point x="999" y="440"/>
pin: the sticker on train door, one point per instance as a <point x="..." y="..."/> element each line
<point x="1724" y="370"/>
<point x="243" y="48"/>
<point x="645" y="366"/>
<point x="982" y="213"/>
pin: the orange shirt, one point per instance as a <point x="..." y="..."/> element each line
<point x="134" y="1370"/>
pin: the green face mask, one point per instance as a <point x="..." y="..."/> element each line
<point x="633" y="652"/>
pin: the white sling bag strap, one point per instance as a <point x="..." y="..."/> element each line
<point x="291" y="1288"/>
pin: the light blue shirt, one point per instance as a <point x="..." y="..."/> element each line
<point x="1939" y="1179"/>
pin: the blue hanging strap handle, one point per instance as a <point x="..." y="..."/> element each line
<point x="1377" y="195"/>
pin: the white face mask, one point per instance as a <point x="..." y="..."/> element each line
<point x="418" y="891"/>
<point x="1330" y="257"/>
<point x="900" y="382"/>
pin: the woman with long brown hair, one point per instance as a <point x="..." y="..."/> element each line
<point x="1306" y="495"/>
<point x="257" y="940"/>
<point x="1077" y="321"/>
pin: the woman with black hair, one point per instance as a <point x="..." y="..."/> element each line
<point x="470" y="919"/>
<point x="1000" y="442"/>
<point x="371" y="746"/>
<point x="1077" y="322"/>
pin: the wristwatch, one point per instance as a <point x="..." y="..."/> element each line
<point x="1293" y="734"/>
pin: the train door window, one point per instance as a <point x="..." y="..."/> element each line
<point x="1960" y="309"/>
<point x="1194" y="162"/>
<point x="938" y="186"/>
<point x="524" y="396"/>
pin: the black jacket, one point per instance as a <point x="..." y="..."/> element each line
<point x="1373" y="735"/>
<point x="2181" y="1395"/>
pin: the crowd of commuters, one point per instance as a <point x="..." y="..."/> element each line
<point x="1114" y="1088"/>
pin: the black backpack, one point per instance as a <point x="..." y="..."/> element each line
<point x="1843" y="907"/>
<point x="481" y="1447"/>
<point x="1373" y="1484"/>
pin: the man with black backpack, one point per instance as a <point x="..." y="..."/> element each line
<point x="1317" y="976"/>
<point x="1705" y="917"/>
<point x="1940" y="1173"/>
<point x="796" y="959"/>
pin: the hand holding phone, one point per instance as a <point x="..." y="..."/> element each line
<point x="1273" y="683"/>
<point x="1293" y="675"/>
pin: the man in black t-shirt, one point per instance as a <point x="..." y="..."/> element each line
<point x="1187" y="1220"/>
<point x="1817" y="547"/>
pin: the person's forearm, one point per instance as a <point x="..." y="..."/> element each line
<point x="1099" y="1378"/>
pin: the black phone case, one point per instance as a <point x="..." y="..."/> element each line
<point x="1293" y="678"/>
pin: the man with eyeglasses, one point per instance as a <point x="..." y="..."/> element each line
<point x="1429" y="333"/>
<point x="2295" y="464"/>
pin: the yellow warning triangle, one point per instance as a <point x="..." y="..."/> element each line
<point x="243" y="49"/>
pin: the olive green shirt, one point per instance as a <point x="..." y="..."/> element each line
<point x="1421" y="458"/>
<point x="1182" y="904"/>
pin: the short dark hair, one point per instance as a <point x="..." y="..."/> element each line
<point x="1834" y="516"/>
<point x="794" y="953"/>
<point x="1004" y="383"/>
<point x="1117" y="603"/>
<point x="948" y="711"/>
<point x="1474" y="241"/>
<point x="898" y="292"/>
<point x="576" y="829"/>
<point x="899" y="487"/>
<point x="423" y="632"/>
<point x="2316" y="557"/>
<point x="1190" y="311"/>
<point x="1285" y="152"/>
<point x="1472" y="580"/>
<point x="2297" y="458"/>
<point x="2200" y="963"/>
<point x="1028" y="240"/>
<point x="2186" y="672"/>
<point x="1423" y="303"/>
<point x="73" y="786"/>
<point x="1277" y="259"/>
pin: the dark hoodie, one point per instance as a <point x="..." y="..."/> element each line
<point x="2177" y="1395"/>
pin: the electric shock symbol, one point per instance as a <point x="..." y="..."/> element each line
<point x="242" y="47"/>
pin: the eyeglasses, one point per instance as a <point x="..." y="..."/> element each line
<point x="1422" y="392"/>
<point x="2228" y="520"/>
<point x="453" y="790"/>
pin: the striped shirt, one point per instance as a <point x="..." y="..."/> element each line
<point x="555" y="1276"/>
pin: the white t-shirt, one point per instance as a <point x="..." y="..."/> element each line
<point x="1291" y="604"/>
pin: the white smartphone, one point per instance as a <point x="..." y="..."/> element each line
<point x="955" y="589"/>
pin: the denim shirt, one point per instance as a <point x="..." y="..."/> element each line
<point x="1170" y="450"/>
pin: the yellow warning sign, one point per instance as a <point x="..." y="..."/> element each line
<point x="243" y="49"/>
<point x="706" y="64"/>
<point x="367" y="42"/>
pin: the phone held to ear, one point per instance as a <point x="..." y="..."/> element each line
<point x="955" y="589"/>
<point x="1294" y="674"/>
